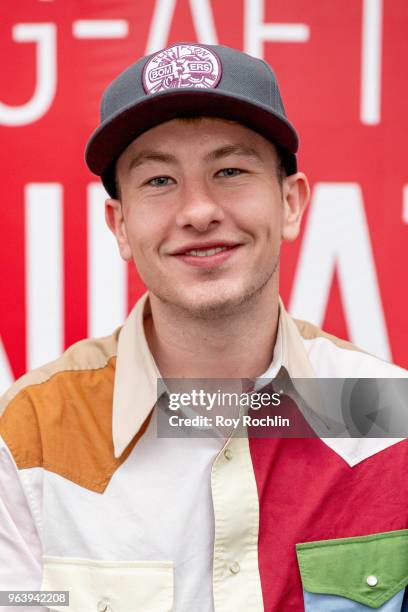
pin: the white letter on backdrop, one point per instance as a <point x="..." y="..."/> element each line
<point x="162" y="18"/>
<point x="44" y="272"/>
<point x="44" y="34"/>
<point x="370" y="103"/>
<point x="256" y="31"/>
<point x="107" y="279"/>
<point x="337" y="236"/>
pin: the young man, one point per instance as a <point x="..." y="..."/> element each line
<point x="198" y="158"/>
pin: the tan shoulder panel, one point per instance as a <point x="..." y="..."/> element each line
<point x="88" y="354"/>
<point x="60" y="416"/>
<point x="308" y="331"/>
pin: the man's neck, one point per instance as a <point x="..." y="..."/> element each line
<point x="239" y="346"/>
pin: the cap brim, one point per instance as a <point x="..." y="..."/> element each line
<point x="114" y="135"/>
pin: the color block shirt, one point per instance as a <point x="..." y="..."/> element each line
<point x="94" y="502"/>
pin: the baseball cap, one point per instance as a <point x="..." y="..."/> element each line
<point x="183" y="80"/>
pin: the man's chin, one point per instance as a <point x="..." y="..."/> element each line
<point x="217" y="300"/>
<point x="213" y="306"/>
<point x="212" y="309"/>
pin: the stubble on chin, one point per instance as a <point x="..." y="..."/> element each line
<point x="221" y="306"/>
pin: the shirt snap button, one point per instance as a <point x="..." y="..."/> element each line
<point x="103" y="605"/>
<point x="372" y="581"/>
<point x="228" y="454"/>
<point x="234" y="568"/>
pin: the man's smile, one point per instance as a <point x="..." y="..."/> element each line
<point x="206" y="255"/>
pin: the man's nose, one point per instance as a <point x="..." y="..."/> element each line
<point x="198" y="208"/>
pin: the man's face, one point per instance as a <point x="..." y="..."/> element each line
<point x="202" y="213"/>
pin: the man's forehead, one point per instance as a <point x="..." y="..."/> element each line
<point x="215" y="138"/>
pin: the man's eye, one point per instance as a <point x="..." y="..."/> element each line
<point x="159" y="181"/>
<point x="229" y="172"/>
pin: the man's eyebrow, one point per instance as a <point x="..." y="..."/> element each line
<point x="150" y="155"/>
<point x="238" y="149"/>
<point x="224" y="151"/>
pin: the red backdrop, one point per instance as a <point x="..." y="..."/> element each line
<point x="342" y="70"/>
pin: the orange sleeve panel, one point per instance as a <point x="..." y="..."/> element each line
<point x="64" y="424"/>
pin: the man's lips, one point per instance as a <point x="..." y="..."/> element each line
<point x="204" y="246"/>
<point x="207" y="255"/>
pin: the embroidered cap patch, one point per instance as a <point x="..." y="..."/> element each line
<point x="181" y="66"/>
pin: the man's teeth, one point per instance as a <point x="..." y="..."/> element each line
<point x="206" y="252"/>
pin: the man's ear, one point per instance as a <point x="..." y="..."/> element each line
<point x="296" y="194"/>
<point x="116" y="222"/>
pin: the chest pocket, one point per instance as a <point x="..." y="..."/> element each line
<point x="99" y="586"/>
<point x="355" y="574"/>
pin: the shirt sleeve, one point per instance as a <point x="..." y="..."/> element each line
<point x="20" y="543"/>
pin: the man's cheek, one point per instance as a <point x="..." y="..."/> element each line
<point x="146" y="255"/>
<point x="272" y="233"/>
